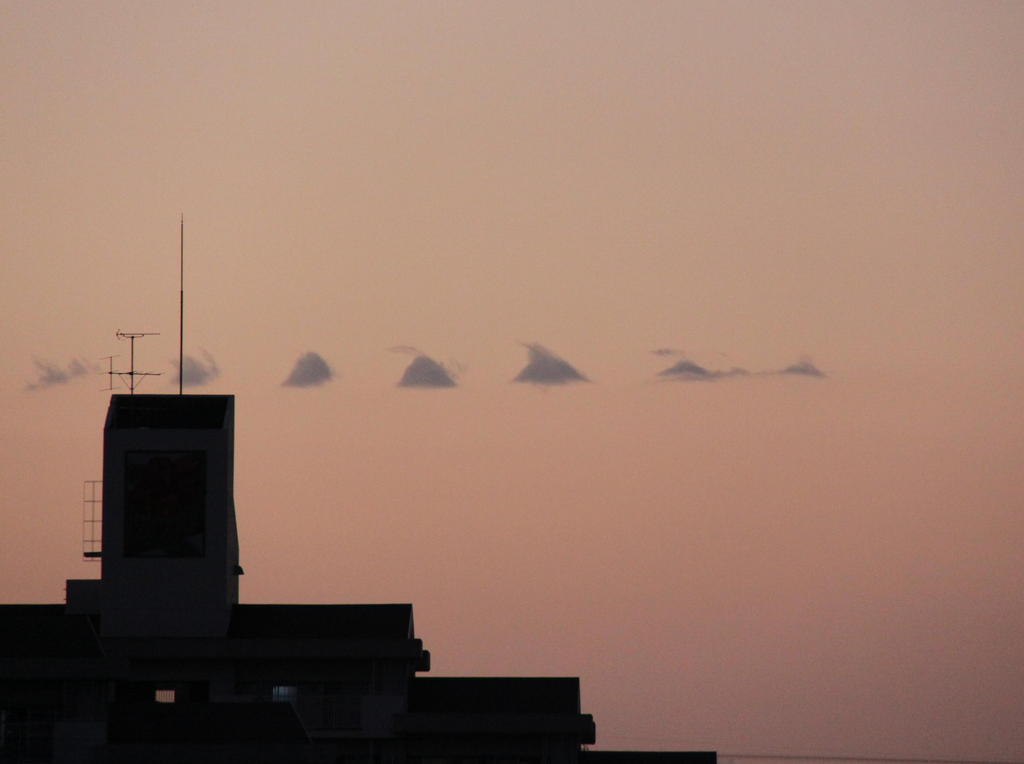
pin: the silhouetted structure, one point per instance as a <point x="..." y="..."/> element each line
<point x="158" y="662"/>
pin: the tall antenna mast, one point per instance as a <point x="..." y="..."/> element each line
<point x="181" y="307"/>
<point x="131" y="373"/>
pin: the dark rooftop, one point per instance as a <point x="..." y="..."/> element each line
<point x="321" y="622"/>
<point x="647" y="757"/>
<point x="44" y="631"/>
<point x="204" y="723"/>
<point x="491" y="695"/>
<point x="168" y="412"/>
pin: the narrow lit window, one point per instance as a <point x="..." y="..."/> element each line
<point x="164" y="696"/>
<point x="284" y="693"/>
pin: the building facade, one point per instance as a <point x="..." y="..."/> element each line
<point x="158" y="661"/>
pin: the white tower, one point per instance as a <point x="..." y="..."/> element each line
<point x="170" y="544"/>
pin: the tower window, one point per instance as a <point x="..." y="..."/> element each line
<point x="165" y="504"/>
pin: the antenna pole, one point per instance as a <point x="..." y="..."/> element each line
<point x="181" y="307"/>
<point x="110" y="373"/>
<point x="131" y="373"/>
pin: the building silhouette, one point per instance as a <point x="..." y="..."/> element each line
<point x="157" y="661"/>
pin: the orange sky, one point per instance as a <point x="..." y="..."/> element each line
<point x="764" y="564"/>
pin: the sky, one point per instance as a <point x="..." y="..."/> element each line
<point x="805" y="540"/>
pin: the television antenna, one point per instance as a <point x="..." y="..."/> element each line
<point x="131" y="374"/>
<point x="110" y="371"/>
<point x="181" y="305"/>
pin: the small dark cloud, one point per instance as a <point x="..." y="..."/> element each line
<point x="197" y="372"/>
<point x="546" y="368"/>
<point x="426" y="372"/>
<point x="688" y="371"/>
<point x="309" y="370"/>
<point x="665" y="351"/>
<point x="803" y="368"/>
<point x="49" y="374"/>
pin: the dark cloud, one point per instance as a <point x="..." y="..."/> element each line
<point x="426" y="372"/>
<point x="49" y="374"/>
<point x="310" y="370"/>
<point x="688" y="371"/>
<point x="197" y="372"/>
<point x="804" y="368"/>
<point x="546" y="368"/>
